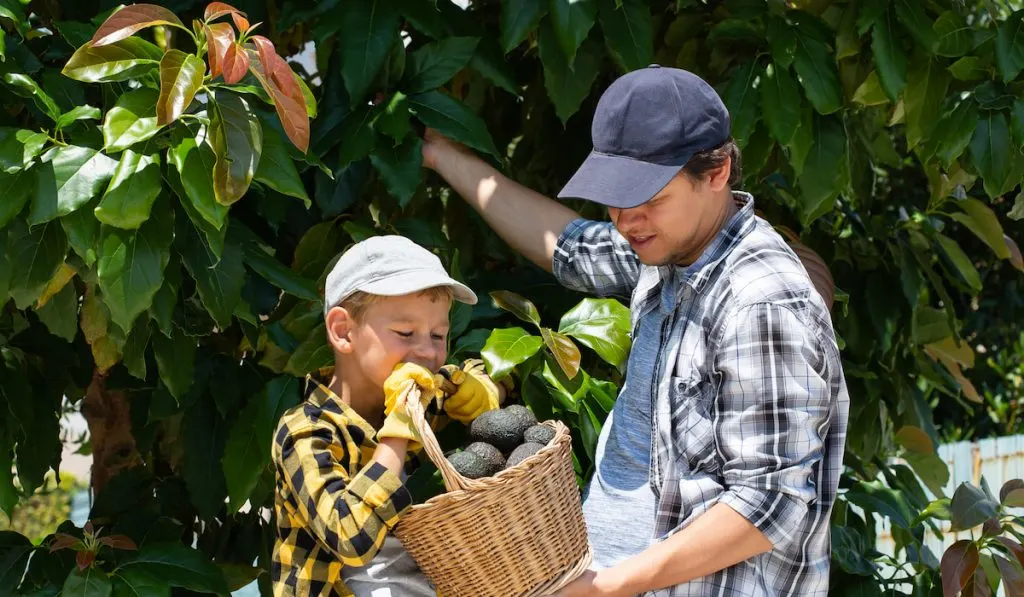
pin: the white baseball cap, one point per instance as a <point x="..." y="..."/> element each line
<point x="389" y="266"/>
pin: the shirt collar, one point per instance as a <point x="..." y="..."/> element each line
<point x="318" y="392"/>
<point x="699" y="272"/>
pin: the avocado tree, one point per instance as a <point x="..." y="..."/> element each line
<point x="178" y="179"/>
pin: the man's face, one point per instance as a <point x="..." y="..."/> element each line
<point x="404" y="329"/>
<point x="676" y="225"/>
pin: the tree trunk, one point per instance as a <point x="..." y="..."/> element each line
<point x="110" y="429"/>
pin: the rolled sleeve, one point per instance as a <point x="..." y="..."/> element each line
<point x="592" y="257"/>
<point x="349" y="516"/>
<point x="774" y="405"/>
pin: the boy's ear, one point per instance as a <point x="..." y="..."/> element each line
<point x="339" y="327"/>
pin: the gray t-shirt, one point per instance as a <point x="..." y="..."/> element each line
<point x="619" y="505"/>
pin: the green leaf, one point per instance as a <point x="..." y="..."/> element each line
<point x="1010" y="47"/>
<point x="436" y="63"/>
<point x="275" y="272"/>
<point x="15" y="188"/>
<point x="247" y="451"/>
<point x="955" y="131"/>
<point x="847" y="39"/>
<point x="782" y="41"/>
<point x="131" y="265"/>
<point x="175" y="360"/>
<point x="66" y="180"/>
<point x="136" y="582"/>
<point x="393" y="120"/>
<point x="912" y="16"/>
<point x="518" y="19"/>
<point x="890" y="56"/>
<point x="26" y="87"/>
<point x="37" y="253"/>
<point x="953" y="35"/>
<point x="18" y="147"/>
<point x="565" y="351"/>
<point x="359" y="136"/>
<point x="176" y="565"/>
<point x="970" y="68"/>
<point x="925" y="93"/>
<point x="237" y="139"/>
<point x="780" y="99"/>
<point x="131" y="120"/>
<point x="312" y="354"/>
<point x="60" y="313"/>
<point x="929" y="325"/>
<point x="277" y="169"/>
<point x="603" y="325"/>
<point x="453" y="119"/>
<point x="194" y="159"/>
<point x="823" y="173"/>
<point x="136" y="184"/>
<point x="181" y="76"/>
<point x="78" y="113"/>
<point x="166" y="298"/>
<point x="368" y="32"/>
<point x="870" y="92"/>
<point x="127" y="59"/>
<point x="991" y="156"/>
<point x="875" y="497"/>
<point x="92" y="582"/>
<point x="134" y="358"/>
<point x="517" y="305"/>
<point x="567" y="85"/>
<point x="219" y="281"/>
<point x="1017" y="122"/>
<point x="818" y="75"/>
<point x="489" y="61"/>
<point x="970" y="507"/>
<point x="741" y="98"/>
<point x="572" y="21"/>
<point x="931" y="469"/>
<point x="982" y="221"/>
<point x="205" y="437"/>
<point x="506" y="348"/>
<point x="628" y="30"/>
<point x="802" y="141"/>
<point x="401" y="168"/>
<point x="961" y="261"/>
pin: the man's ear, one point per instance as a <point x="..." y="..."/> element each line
<point x="718" y="178"/>
<point x="339" y="329"/>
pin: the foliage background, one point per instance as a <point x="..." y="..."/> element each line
<point x="887" y="135"/>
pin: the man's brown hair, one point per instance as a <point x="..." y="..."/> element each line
<point x="703" y="162"/>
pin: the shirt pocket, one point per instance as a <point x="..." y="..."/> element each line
<point x="692" y="425"/>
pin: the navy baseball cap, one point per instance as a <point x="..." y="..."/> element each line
<point x="648" y="124"/>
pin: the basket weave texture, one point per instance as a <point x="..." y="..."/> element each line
<point x="519" y="533"/>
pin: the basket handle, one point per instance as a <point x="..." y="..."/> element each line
<point x="453" y="480"/>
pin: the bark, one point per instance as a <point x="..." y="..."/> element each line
<point x="110" y="427"/>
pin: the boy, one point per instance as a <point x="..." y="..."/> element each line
<point x="340" y="454"/>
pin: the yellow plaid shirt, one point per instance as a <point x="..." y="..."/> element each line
<point x="334" y="504"/>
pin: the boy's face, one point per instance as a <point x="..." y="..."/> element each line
<point x="404" y="329"/>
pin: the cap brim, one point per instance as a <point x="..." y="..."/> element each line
<point x="618" y="181"/>
<point x="415" y="281"/>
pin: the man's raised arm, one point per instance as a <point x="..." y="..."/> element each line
<point x="528" y="221"/>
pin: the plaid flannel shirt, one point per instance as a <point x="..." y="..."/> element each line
<point x="749" y="405"/>
<point x="333" y="509"/>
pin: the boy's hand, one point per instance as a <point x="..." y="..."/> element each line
<point x="398" y="423"/>
<point x="476" y="392"/>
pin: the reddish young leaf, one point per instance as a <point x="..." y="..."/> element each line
<point x="219" y="37"/>
<point x="978" y="585"/>
<point x="84" y="559"/>
<point x="119" y="542"/>
<point x="991" y="528"/>
<point x="88" y="528"/>
<point x="236" y="62"/>
<point x="125" y="22"/>
<point x="1015" y="256"/>
<point x="1009" y="487"/>
<point x="958" y="564"/>
<point x="240" y="21"/>
<point x="216" y="10"/>
<point x="278" y="80"/>
<point x="62" y="541"/>
<point x="1015" y="548"/>
<point x="1013" y="578"/>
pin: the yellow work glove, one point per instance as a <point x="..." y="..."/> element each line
<point x="398" y="423"/>
<point x="476" y="393"/>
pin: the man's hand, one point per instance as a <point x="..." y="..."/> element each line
<point x="436" y="146"/>
<point x="476" y="392"/>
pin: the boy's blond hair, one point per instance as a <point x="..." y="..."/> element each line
<point x="359" y="301"/>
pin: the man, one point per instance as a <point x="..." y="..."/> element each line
<point x="717" y="470"/>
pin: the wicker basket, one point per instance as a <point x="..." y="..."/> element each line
<point x="518" y="533"/>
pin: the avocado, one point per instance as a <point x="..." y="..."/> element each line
<point x="522" y="453"/>
<point x="492" y="456"/>
<point x="469" y="465"/>
<point x="523" y="415"/>
<point x="500" y="428"/>
<point x="539" y="434"/>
